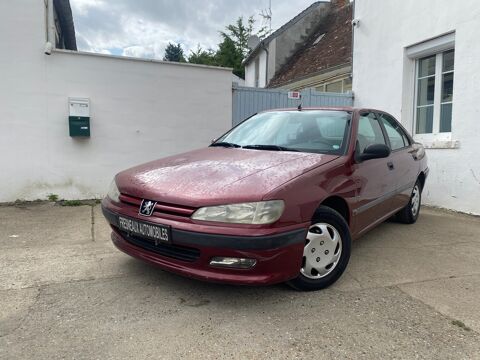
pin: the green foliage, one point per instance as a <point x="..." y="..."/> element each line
<point x="174" y="52"/>
<point x="229" y="55"/>
<point x="231" y="50"/>
<point x="202" y="56"/>
<point x="240" y="32"/>
<point x="52" y="197"/>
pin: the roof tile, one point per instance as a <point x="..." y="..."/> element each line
<point x="332" y="50"/>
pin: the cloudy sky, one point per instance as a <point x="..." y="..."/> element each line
<point x="142" y="28"/>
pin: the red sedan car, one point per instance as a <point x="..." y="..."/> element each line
<point x="278" y="198"/>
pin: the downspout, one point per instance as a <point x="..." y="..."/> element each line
<point x="49" y="22"/>
<point x="47" y="9"/>
<point x="353" y="42"/>
<point x="266" y="63"/>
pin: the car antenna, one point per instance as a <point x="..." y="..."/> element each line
<point x="299" y="107"/>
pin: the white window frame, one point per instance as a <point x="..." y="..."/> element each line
<point x="437" y="100"/>
<point x="436" y="46"/>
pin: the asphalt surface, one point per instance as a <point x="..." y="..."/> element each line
<point x="410" y="291"/>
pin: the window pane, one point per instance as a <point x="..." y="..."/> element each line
<point x="335" y="87"/>
<point x="395" y="134"/>
<point x="369" y="132"/>
<point x="426" y="66"/>
<point x="425" y="120"/>
<point x="446" y="118"/>
<point x="426" y="91"/>
<point x="448" y="58"/>
<point x="447" y="87"/>
<point x="315" y="131"/>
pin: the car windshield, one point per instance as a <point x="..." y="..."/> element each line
<point x="316" y="131"/>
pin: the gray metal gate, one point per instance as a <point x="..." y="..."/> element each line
<point x="248" y="101"/>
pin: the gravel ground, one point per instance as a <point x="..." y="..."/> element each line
<point x="410" y="292"/>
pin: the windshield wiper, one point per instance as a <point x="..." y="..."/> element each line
<point x="225" y="144"/>
<point x="268" y="147"/>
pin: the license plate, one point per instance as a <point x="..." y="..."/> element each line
<point x="158" y="233"/>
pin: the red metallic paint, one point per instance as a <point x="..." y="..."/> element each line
<point x="215" y="175"/>
<point x="273" y="265"/>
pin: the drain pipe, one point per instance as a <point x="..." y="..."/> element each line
<point x="353" y="44"/>
<point x="49" y="27"/>
<point x="266" y="63"/>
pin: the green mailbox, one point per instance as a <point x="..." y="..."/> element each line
<point x="79" y="126"/>
<point x="79" y="119"/>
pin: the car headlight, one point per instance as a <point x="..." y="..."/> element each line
<point x="262" y="212"/>
<point x="113" y="192"/>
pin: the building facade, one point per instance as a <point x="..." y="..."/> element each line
<point x="324" y="61"/>
<point x="419" y="60"/>
<point x="312" y="50"/>
<point x="270" y="54"/>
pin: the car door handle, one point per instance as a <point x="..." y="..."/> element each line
<point x="390" y="165"/>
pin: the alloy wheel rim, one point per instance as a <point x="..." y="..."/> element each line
<point x="322" y="251"/>
<point x="415" y="200"/>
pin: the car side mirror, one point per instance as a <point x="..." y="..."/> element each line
<point x="374" y="151"/>
<point x="213" y="140"/>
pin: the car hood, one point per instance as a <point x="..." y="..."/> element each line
<point x="216" y="175"/>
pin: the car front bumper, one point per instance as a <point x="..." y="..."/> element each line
<point x="278" y="256"/>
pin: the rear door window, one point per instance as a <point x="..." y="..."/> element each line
<point x="369" y="132"/>
<point x="398" y="138"/>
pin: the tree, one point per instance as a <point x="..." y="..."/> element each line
<point x="231" y="50"/>
<point x="174" y="52"/>
<point x="201" y="56"/>
<point x="229" y="55"/>
<point x="240" y="32"/>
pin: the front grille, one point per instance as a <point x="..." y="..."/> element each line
<point x="161" y="208"/>
<point x="172" y="251"/>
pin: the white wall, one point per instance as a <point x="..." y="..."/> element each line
<point x="140" y="111"/>
<point x="250" y="74"/>
<point x="285" y="43"/>
<point x="383" y="78"/>
<point x="250" y="70"/>
<point x="263" y="67"/>
<point x="238" y="80"/>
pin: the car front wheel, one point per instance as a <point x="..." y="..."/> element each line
<point x="326" y="252"/>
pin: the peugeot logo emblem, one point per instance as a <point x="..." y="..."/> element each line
<point x="147" y="207"/>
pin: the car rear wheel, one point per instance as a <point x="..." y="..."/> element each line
<point x="409" y="214"/>
<point x="326" y="252"/>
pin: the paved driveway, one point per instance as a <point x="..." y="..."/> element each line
<point x="65" y="292"/>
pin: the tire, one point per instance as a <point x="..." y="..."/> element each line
<point x="326" y="253"/>
<point x="409" y="214"/>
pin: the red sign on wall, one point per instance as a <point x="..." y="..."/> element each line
<point x="294" y="95"/>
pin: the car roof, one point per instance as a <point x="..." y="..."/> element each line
<point x="333" y="108"/>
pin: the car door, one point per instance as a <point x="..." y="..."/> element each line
<point x="374" y="179"/>
<point x="404" y="166"/>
